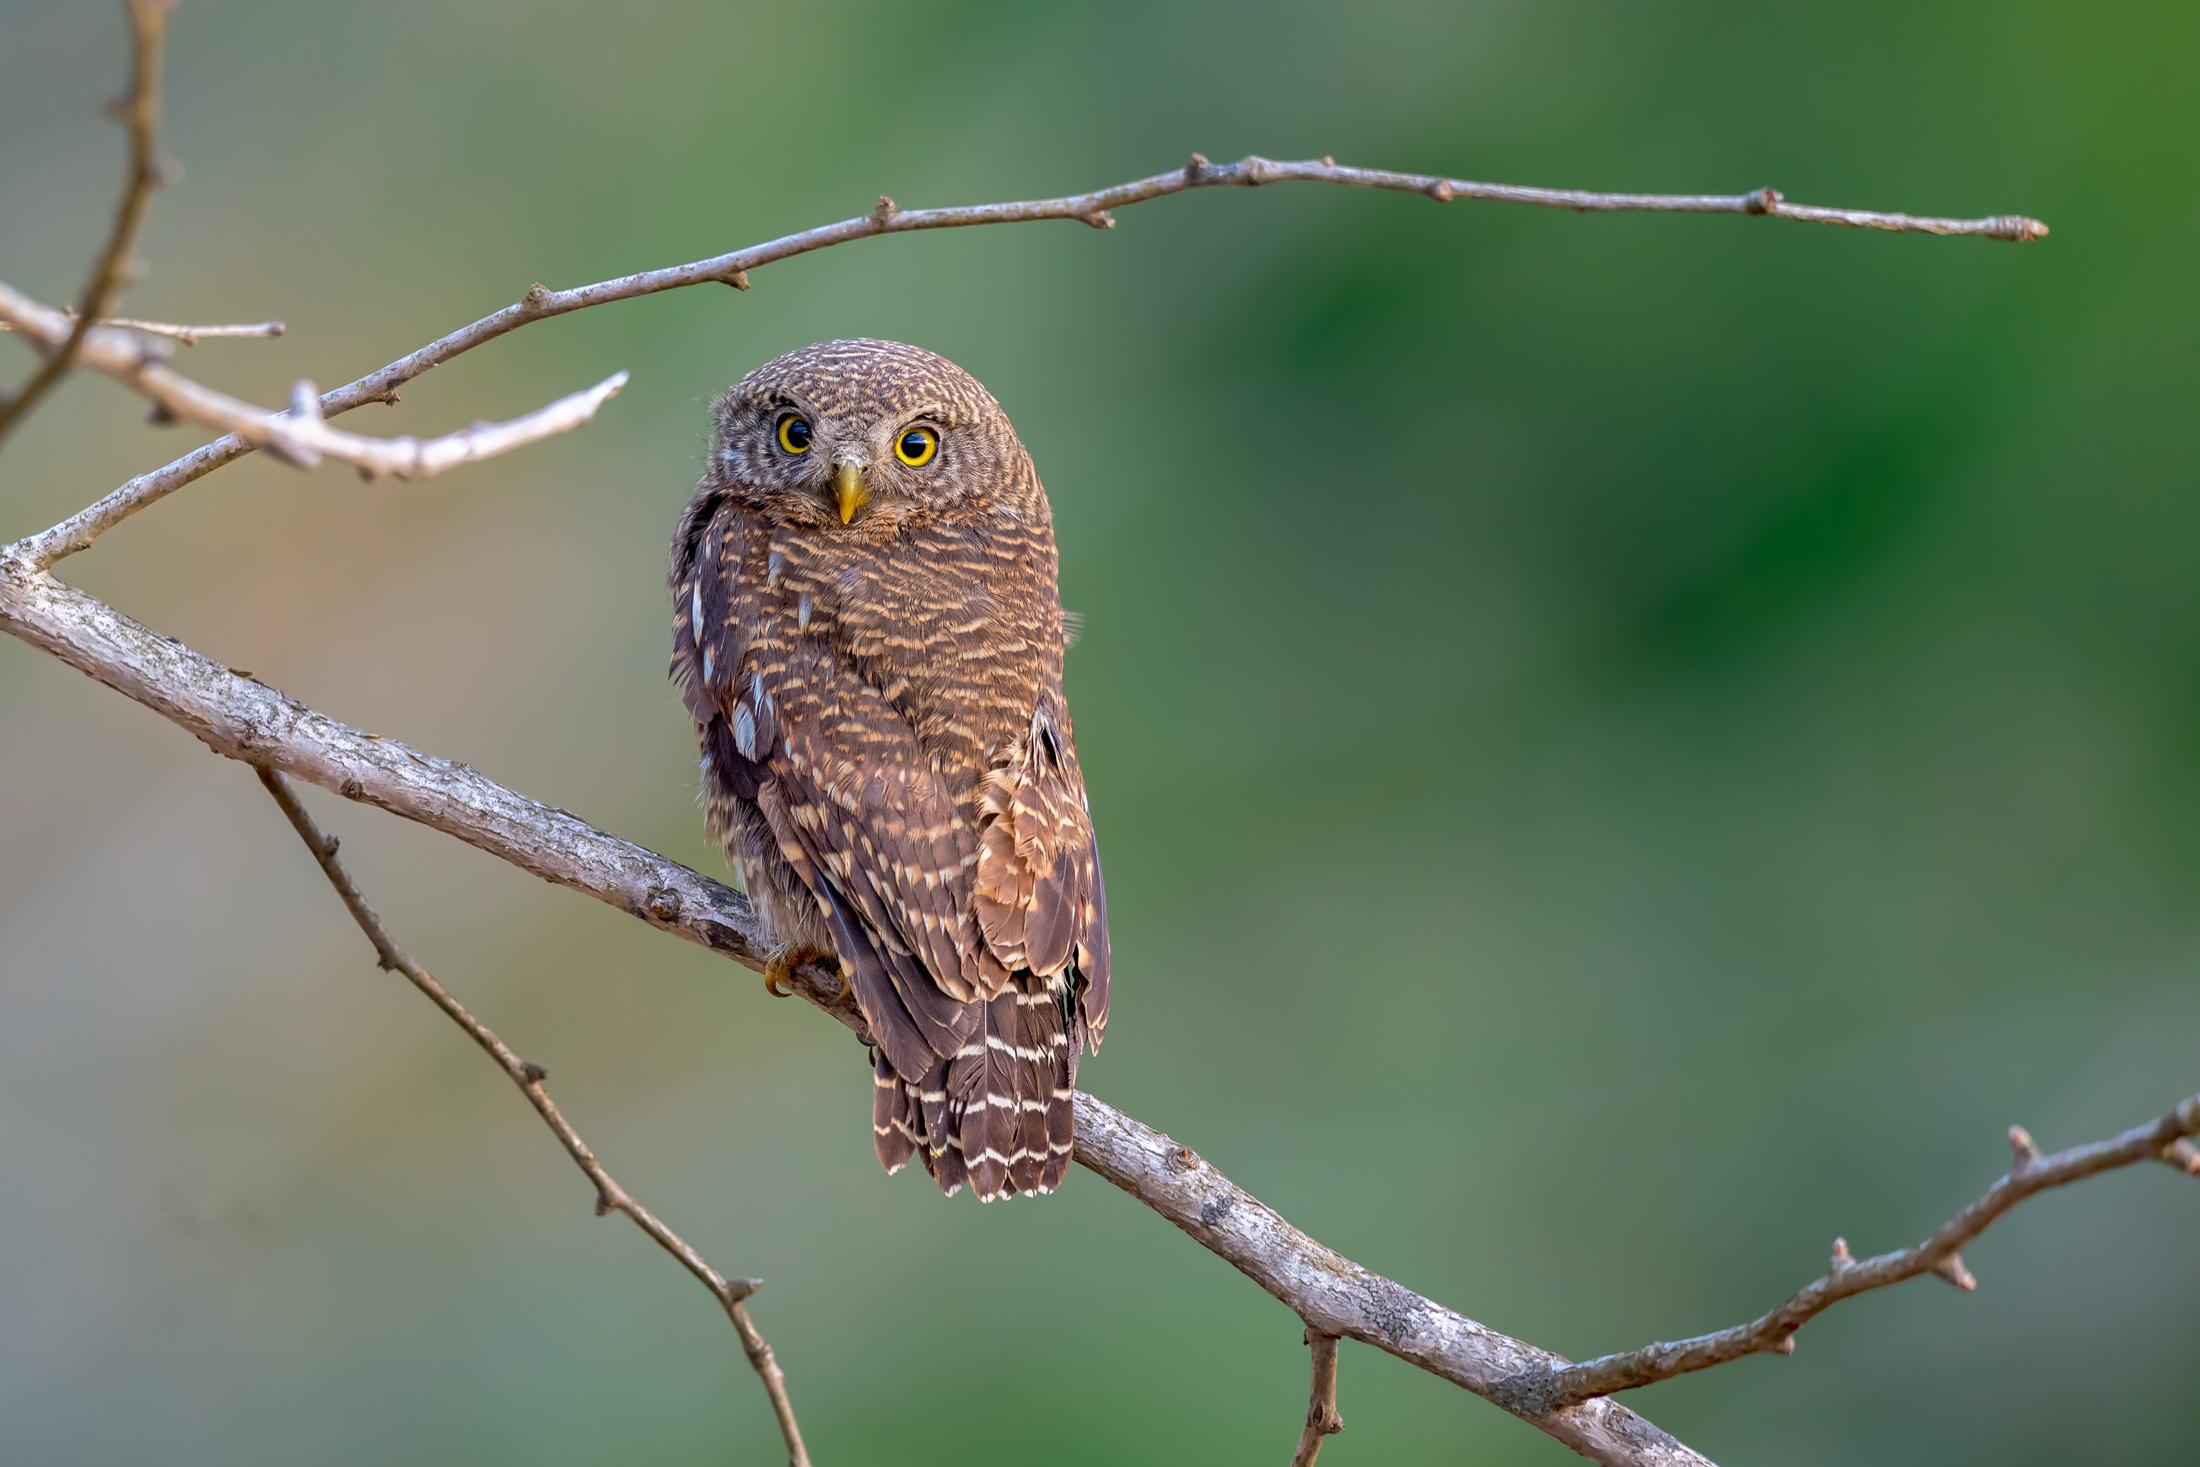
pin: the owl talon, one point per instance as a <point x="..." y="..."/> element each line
<point x="779" y="969"/>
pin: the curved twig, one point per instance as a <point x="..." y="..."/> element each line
<point x="1322" y="1420"/>
<point x="299" y="435"/>
<point x="2165" y="1138"/>
<point x="140" y="110"/>
<point x="529" y="1077"/>
<point x="1095" y="208"/>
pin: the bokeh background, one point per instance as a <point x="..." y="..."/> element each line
<point x="1625" y="746"/>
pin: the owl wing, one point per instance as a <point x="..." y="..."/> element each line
<point x="856" y="807"/>
<point x="1039" y="897"/>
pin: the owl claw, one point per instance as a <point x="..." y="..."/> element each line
<point x="780" y="968"/>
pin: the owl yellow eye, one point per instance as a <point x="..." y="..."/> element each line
<point x="916" y="447"/>
<point x="794" y="433"/>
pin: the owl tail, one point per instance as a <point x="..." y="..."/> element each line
<point x="997" y="1112"/>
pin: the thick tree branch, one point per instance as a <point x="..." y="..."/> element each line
<point x="140" y="109"/>
<point x="1096" y="208"/>
<point x="2165" y="1138"/>
<point x="241" y="718"/>
<point x="1322" y="1420"/>
<point x="244" y="719"/>
<point x="529" y="1077"/>
<point x="299" y="435"/>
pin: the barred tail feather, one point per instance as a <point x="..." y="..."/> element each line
<point x="996" y="1113"/>
<point x="896" y="1124"/>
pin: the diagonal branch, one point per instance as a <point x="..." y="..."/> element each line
<point x="2167" y="1138"/>
<point x="1322" y="1420"/>
<point x="1096" y="208"/>
<point x="299" y="435"/>
<point x="140" y="110"/>
<point x="241" y="718"/>
<point x="244" y="719"/>
<point x="529" y="1077"/>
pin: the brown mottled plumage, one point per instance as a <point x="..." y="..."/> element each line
<point x="869" y="638"/>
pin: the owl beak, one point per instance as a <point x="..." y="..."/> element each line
<point x="849" y="490"/>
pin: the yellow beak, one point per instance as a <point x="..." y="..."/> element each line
<point x="848" y="488"/>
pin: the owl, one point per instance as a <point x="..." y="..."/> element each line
<point x="868" y="635"/>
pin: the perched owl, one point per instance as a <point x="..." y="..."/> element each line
<point x="868" y="634"/>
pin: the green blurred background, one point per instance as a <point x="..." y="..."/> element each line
<point x="1625" y="746"/>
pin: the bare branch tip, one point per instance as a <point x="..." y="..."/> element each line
<point x="1952" y="1270"/>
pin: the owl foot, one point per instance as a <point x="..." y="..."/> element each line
<point x="779" y="970"/>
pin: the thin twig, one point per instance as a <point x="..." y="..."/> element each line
<point x="299" y="435"/>
<point x="1095" y="208"/>
<point x="2165" y="1139"/>
<point x="1322" y="1420"/>
<point x="187" y="335"/>
<point x="140" y="110"/>
<point x="529" y="1077"/>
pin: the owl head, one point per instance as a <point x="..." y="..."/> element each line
<point x="865" y="438"/>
